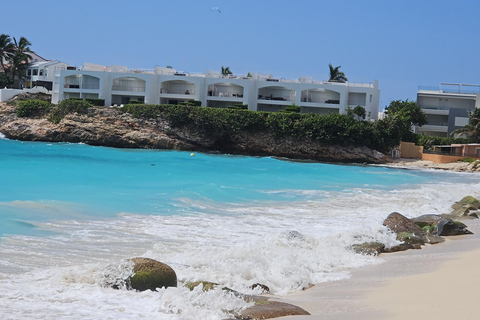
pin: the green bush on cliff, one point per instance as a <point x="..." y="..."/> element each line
<point x="223" y="123"/>
<point x="33" y="108"/>
<point x="67" y="107"/>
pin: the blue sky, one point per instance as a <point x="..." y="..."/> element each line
<point x="402" y="44"/>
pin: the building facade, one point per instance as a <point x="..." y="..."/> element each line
<point x="118" y="85"/>
<point x="447" y="107"/>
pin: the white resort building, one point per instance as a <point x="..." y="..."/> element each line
<point x="447" y="107"/>
<point x="118" y="85"/>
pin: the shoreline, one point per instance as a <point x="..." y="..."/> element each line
<point x="419" y="164"/>
<point x="419" y="283"/>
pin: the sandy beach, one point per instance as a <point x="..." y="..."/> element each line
<point x="425" y="164"/>
<point x="437" y="282"/>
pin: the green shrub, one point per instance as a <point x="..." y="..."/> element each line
<point x="468" y="160"/>
<point x="96" y="102"/>
<point x="239" y="107"/>
<point x="224" y="123"/>
<point x="292" y="108"/>
<point x="68" y="106"/>
<point x="429" y="141"/>
<point x="32" y="108"/>
<point x="136" y="102"/>
<point x="148" y="111"/>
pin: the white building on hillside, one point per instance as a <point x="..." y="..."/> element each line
<point x="41" y="73"/>
<point x="447" y="107"/>
<point x="119" y="85"/>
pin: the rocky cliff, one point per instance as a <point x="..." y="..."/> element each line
<point x="113" y="128"/>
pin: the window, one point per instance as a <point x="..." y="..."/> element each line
<point x="41" y="72"/>
<point x="35" y="72"/>
<point x="29" y="72"/>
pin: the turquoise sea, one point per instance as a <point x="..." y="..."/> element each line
<point x="72" y="214"/>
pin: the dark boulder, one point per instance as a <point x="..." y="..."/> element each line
<point x="150" y="274"/>
<point x="264" y="309"/>
<point x="448" y="227"/>
<point x="468" y="206"/>
<point x="398" y="223"/>
<point x="427" y="220"/>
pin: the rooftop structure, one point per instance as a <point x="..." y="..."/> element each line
<point x="447" y="107"/>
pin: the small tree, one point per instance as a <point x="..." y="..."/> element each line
<point x="400" y="116"/>
<point x="358" y="111"/>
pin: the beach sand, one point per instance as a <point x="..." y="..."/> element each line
<point x="426" y="164"/>
<point x="437" y="282"/>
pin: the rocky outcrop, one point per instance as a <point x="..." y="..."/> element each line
<point x="271" y="309"/>
<point x="416" y="232"/>
<point x="448" y="227"/>
<point x="468" y="206"/>
<point x="150" y="274"/>
<point x="110" y="127"/>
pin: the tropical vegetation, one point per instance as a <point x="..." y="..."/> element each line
<point x="14" y="59"/>
<point x="226" y="71"/>
<point x="336" y="75"/>
<point x="472" y="129"/>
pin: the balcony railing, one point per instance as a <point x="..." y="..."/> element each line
<point x="128" y="88"/>
<point x="321" y="100"/>
<point x="277" y="98"/>
<point x="453" y="88"/>
<point x="225" y="94"/>
<point x="177" y="91"/>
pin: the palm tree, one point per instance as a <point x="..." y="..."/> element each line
<point x="6" y="49"/>
<point x="226" y="71"/>
<point x="472" y="129"/>
<point x="336" y="75"/>
<point x="19" y="60"/>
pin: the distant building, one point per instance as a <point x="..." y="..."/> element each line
<point x="41" y="73"/>
<point x="447" y="107"/>
<point x="118" y="85"/>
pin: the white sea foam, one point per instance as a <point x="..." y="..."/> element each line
<point x="2" y="136"/>
<point x="284" y="245"/>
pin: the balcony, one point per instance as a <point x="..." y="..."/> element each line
<point x="84" y="86"/>
<point x="177" y="87"/>
<point x="276" y="94"/>
<point x="128" y="88"/>
<point x="225" y="94"/>
<point x="225" y="90"/>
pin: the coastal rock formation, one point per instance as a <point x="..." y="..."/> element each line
<point x="263" y="308"/>
<point x="398" y="223"/>
<point x="448" y="227"/>
<point x="468" y="206"/>
<point x="271" y="309"/>
<point x="104" y="126"/>
<point x="150" y="274"/>
<point x="416" y="232"/>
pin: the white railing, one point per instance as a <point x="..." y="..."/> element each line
<point x="128" y="88"/>
<point x="177" y="91"/>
